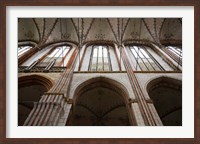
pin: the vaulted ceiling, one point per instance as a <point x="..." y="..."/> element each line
<point x="83" y="30"/>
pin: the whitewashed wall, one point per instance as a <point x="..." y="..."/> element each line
<point x="86" y="59"/>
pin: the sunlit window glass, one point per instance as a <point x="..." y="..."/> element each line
<point x="23" y="49"/>
<point x="144" y="61"/>
<point x="100" y="59"/>
<point x="58" y="54"/>
<point x="175" y="53"/>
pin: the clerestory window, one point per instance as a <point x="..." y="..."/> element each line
<point x="175" y="53"/>
<point x="144" y="61"/>
<point x="100" y="59"/>
<point x="58" y="54"/>
<point x="23" y="49"/>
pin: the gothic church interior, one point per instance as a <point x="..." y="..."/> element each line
<point x="99" y="71"/>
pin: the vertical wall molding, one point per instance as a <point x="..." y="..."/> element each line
<point x="49" y="109"/>
<point x="144" y="108"/>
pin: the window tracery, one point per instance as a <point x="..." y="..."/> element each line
<point x="100" y="59"/>
<point x="23" y="49"/>
<point x="144" y="60"/>
<point x="175" y="53"/>
<point x="58" y="55"/>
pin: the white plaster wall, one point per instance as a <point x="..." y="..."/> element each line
<point x="52" y="76"/>
<point x="118" y="55"/>
<point x="132" y="59"/>
<point x="79" y="78"/>
<point x="113" y="59"/>
<point x="86" y="59"/>
<point x="68" y="56"/>
<point x="159" y="60"/>
<point x="81" y="55"/>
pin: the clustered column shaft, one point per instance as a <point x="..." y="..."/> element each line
<point x="48" y="110"/>
<point x="146" y="113"/>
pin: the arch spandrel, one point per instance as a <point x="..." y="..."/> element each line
<point x="122" y="80"/>
<point x="144" y="79"/>
<point x="113" y="95"/>
<point x="43" y="80"/>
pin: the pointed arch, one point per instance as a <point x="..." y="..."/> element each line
<point x="166" y="94"/>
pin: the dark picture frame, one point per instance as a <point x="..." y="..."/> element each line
<point x="5" y="3"/>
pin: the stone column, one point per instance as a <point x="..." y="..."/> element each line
<point x="54" y="105"/>
<point x="167" y="58"/>
<point x="141" y="109"/>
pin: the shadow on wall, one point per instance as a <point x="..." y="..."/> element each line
<point x="100" y="102"/>
<point x="166" y="94"/>
<point x="30" y="90"/>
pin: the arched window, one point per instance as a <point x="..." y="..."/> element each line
<point x="23" y="49"/>
<point x="144" y="61"/>
<point x="100" y="59"/>
<point x="175" y="53"/>
<point x="58" y="55"/>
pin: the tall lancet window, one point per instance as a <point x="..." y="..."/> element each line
<point x="175" y="53"/>
<point x="23" y="49"/>
<point x="58" y="54"/>
<point x="100" y="60"/>
<point x="144" y="61"/>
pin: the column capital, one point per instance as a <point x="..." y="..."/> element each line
<point x="70" y="101"/>
<point x="119" y="45"/>
<point x="132" y="101"/>
<point x="149" y="101"/>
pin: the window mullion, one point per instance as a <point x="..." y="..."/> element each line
<point x="147" y="58"/>
<point x="155" y="61"/>
<point x="47" y="58"/>
<point x="61" y="54"/>
<point x="175" y="51"/>
<point x="103" y="58"/>
<point x="179" y="59"/>
<point x="22" y="51"/>
<point x="100" y="59"/>
<point x="53" y="57"/>
<point x="97" y="58"/>
<point x="144" y="58"/>
<point x="174" y="54"/>
<point x="109" y="60"/>
<point x="136" y="58"/>
<point x="91" y="58"/>
<point x="141" y="58"/>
